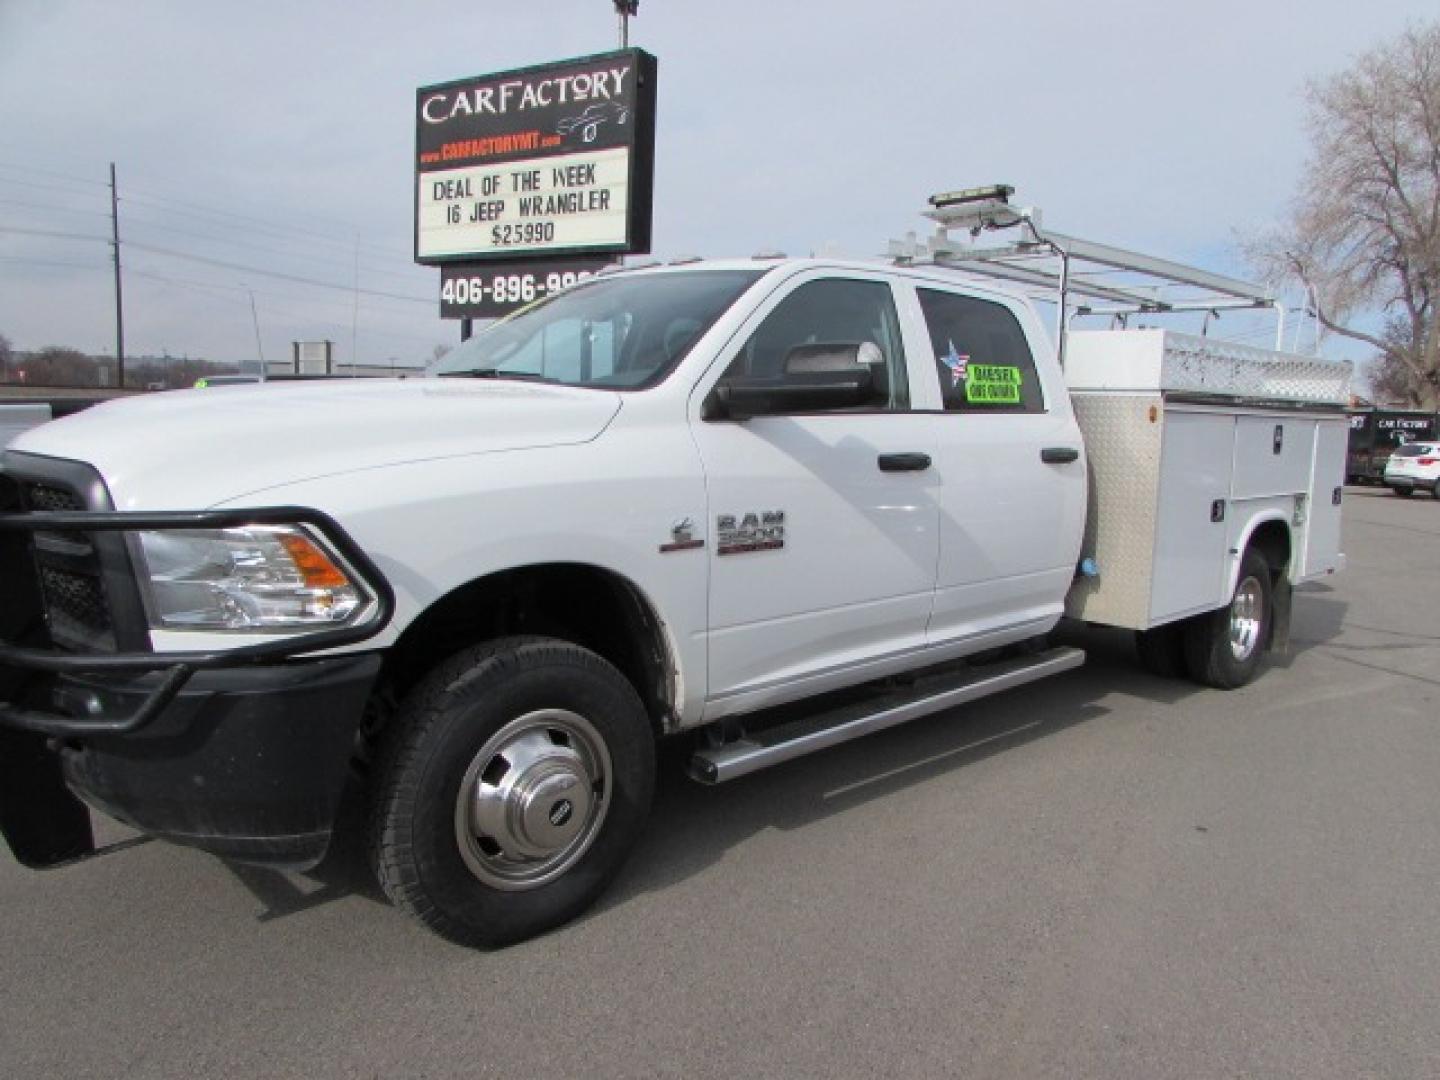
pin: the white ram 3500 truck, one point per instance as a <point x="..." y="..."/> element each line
<point x="666" y="500"/>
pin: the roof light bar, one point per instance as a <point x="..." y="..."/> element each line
<point x="990" y="193"/>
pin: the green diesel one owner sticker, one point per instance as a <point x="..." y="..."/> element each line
<point x="992" y="384"/>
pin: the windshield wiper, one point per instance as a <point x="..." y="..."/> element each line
<point x="496" y="373"/>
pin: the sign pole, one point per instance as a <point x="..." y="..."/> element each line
<point x="625" y="9"/>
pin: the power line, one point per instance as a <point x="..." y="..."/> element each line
<point x="288" y="315"/>
<point x="49" y="172"/>
<point x="184" y="206"/>
<point x="265" y="248"/>
<point x="54" y="209"/>
<point x="214" y="216"/>
<point x="197" y="285"/>
<point x="43" y="187"/>
<point x="223" y="264"/>
<point x="52" y="234"/>
<point x="49" y="262"/>
<point x="310" y="303"/>
<point x="147" y="224"/>
<point x="252" y="225"/>
<point x="149" y="195"/>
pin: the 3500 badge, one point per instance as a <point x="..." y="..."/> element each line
<point x="739" y="534"/>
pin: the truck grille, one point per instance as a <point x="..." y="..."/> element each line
<point x="50" y="498"/>
<point x="63" y="572"/>
<point x="78" y="611"/>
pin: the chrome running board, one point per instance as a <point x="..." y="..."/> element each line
<point x="929" y="694"/>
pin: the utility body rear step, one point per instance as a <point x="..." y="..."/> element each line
<point x="928" y="694"/>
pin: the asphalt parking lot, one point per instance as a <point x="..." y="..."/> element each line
<point x="1103" y="875"/>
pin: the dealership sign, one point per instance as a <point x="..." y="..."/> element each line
<point x="550" y="160"/>
<point x="491" y="290"/>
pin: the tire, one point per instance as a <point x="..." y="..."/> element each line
<point x="556" y="753"/>
<point x="1225" y="648"/>
<point x="1403" y="492"/>
<point x="1162" y="650"/>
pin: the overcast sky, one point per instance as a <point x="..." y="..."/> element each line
<point x="275" y="137"/>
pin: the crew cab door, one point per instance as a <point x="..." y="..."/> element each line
<point x="1011" y="466"/>
<point x="823" y="524"/>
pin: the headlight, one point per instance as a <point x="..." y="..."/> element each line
<point x="255" y="577"/>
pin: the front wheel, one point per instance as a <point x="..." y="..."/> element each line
<point x="1224" y="649"/>
<point x="513" y="783"/>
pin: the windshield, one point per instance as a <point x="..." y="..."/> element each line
<point x="1415" y="449"/>
<point x="624" y="332"/>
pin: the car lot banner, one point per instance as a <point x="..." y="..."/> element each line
<point x="549" y="160"/>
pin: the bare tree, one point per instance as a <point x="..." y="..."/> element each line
<point x="60" y="365"/>
<point x="1364" y="233"/>
<point x="5" y="353"/>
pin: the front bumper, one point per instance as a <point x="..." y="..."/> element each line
<point x="241" y="751"/>
<point x="1412" y="483"/>
<point x="247" y="763"/>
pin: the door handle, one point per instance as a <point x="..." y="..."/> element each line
<point x="1059" y="455"/>
<point x="904" y="462"/>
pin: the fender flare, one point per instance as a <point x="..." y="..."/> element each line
<point x="1263" y="517"/>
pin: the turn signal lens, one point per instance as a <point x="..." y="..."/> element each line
<point x="317" y="570"/>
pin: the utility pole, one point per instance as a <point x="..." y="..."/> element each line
<point x="119" y="305"/>
<point x="259" y="349"/>
<point x="625" y="9"/>
<point x="355" y="313"/>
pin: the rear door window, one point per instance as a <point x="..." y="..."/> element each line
<point x="981" y="355"/>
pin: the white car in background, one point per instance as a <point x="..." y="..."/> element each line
<point x="1414" y="466"/>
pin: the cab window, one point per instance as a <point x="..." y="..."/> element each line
<point x="857" y="317"/>
<point x="981" y="355"/>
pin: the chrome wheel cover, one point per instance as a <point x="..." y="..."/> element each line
<point x="1246" y="617"/>
<point x="533" y="799"/>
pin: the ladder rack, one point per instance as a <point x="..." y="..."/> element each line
<point x="1067" y="266"/>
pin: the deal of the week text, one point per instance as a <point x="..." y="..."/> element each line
<point x="574" y="200"/>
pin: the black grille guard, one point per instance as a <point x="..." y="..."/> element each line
<point x="178" y="667"/>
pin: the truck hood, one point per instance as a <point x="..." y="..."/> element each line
<point x="195" y="448"/>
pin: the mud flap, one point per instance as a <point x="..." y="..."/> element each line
<point x="1280" y="604"/>
<point x="42" y="820"/>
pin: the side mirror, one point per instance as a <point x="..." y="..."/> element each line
<point x="817" y="377"/>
